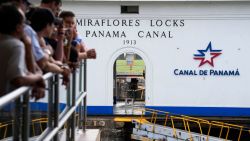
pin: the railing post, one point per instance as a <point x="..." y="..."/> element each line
<point x="68" y="103"/>
<point x="50" y="103"/>
<point x="16" y="124"/>
<point x="80" y="90"/>
<point x="80" y="110"/>
<point x="26" y="116"/>
<point x="80" y="77"/>
<point x="73" y="104"/>
<point x="56" y="103"/>
<point x="85" y="98"/>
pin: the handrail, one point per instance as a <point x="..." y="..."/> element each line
<point x="24" y="104"/>
<point x="64" y="119"/>
<point x="54" y="120"/>
<point x="18" y="92"/>
<point x="13" y="95"/>
<point x="68" y="114"/>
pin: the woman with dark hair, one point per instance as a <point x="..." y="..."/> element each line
<point x="42" y="21"/>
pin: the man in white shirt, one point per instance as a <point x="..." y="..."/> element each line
<point x="13" y="70"/>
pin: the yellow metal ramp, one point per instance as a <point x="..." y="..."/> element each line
<point x="150" y="130"/>
<point x="130" y="119"/>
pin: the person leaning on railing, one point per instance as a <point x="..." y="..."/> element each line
<point x="61" y="38"/>
<point x="42" y="21"/>
<point x="13" y="70"/>
<point x="77" y="42"/>
<point x="57" y="37"/>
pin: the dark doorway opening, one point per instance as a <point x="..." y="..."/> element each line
<point x="129" y="84"/>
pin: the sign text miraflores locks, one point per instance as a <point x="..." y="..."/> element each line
<point x="119" y="28"/>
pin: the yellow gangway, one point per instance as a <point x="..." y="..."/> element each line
<point x="171" y="120"/>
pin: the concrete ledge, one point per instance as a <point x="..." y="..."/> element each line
<point x="89" y="135"/>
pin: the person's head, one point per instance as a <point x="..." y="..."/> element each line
<point x="12" y="20"/>
<point x="23" y="4"/>
<point x="42" y="20"/>
<point x="53" y="5"/>
<point x="68" y="19"/>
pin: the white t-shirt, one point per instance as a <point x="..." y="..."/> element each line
<point x="12" y="61"/>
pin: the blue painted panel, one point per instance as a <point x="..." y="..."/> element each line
<point x="43" y="107"/>
<point x="206" y="111"/>
<point x="192" y="111"/>
<point x="100" y="110"/>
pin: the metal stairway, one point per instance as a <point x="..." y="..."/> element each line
<point x="144" y="131"/>
<point x="149" y="130"/>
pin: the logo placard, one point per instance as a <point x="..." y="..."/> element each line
<point x="207" y="55"/>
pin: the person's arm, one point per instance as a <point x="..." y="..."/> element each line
<point x="89" y="53"/>
<point x="51" y="67"/>
<point x="59" y="52"/>
<point x="85" y="53"/>
<point x="82" y="55"/>
<point x="38" y="69"/>
<point x="67" y="45"/>
<point x="43" y="62"/>
<point x="28" y="80"/>
<point x="29" y="58"/>
<point x="34" y="80"/>
<point x="48" y="66"/>
<point x="62" y="70"/>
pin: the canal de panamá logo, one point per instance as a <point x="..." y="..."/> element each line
<point x="207" y="55"/>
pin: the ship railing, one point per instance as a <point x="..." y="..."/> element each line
<point x="55" y="121"/>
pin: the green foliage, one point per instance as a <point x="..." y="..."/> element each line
<point x="136" y="69"/>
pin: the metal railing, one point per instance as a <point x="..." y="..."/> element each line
<point x="38" y="125"/>
<point x="55" y="121"/>
<point x="170" y="120"/>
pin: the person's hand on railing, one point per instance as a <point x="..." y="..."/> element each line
<point x="66" y="75"/>
<point x="39" y="89"/>
<point x="73" y="65"/>
<point x="38" y="93"/>
<point x="91" y="54"/>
